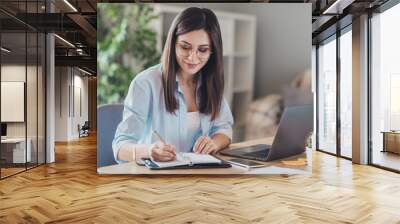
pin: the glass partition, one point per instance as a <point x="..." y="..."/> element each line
<point x="31" y="98"/>
<point x="346" y="93"/>
<point x="22" y="78"/>
<point x="385" y="89"/>
<point x="327" y="95"/>
<point x="41" y="109"/>
<point x="13" y="109"/>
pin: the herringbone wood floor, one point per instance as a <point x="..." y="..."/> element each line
<point x="70" y="191"/>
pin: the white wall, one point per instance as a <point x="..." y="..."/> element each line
<point x="314" y="90"/>
<point x="283" y="46"/>
<point x="68" y="82"/>
<point x="33" y="126"/>
<point x="61" y="103"/>
<point x="12" y="73"/>
<point x="283" y="43"/>
<point x="80" y="83"/>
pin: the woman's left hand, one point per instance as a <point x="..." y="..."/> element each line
<point x="205" y="145"/>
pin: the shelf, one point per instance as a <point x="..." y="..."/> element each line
<point x="240" y="105"/>
<point x="243" y="54"/>
<point x="228" y="79"/>
<point x="241" y="90"/>
<point x="243" y="76"/>
<point x="242" y="124"/>
<point x="244" y="35"/>
<point x="226" y="26"/>
<point x="238" y="134"/>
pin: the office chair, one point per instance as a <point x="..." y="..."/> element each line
<point x="84" y="129"/>
<point x="108" y="118"/>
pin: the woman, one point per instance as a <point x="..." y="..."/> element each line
<point x="181" y="99"/>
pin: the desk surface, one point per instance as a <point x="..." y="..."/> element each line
<point x="390" y="132"/>
<point x="298" y="164"/>
<point x="13" y="140"/>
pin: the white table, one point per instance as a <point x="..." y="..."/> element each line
<point x="19" y="149"/>
<point x="283" y="166"/>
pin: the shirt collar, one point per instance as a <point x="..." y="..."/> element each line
<point x="177" y="84"/>
<point x="177" y="79"/>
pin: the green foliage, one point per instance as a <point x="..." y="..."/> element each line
<point x="124" y="35"/>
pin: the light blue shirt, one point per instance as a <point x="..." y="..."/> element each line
<point x="145" y="111"/>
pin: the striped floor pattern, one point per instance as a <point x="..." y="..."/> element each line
<point x="70" y="191"/>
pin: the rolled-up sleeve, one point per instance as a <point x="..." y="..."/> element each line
<point x="223" y="122"/>
<point x="137" y="106"/>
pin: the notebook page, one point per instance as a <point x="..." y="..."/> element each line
<point x="187" y="158"/>
<point x="179" y="161"/>
<point x="200" y="158"/>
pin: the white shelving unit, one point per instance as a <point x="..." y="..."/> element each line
<point x="238" y="37"/>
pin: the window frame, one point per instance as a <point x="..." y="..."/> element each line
<point x="334" y="37"/>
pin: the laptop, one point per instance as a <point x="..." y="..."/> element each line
<point x="295" y="126"/>
<point x="3" y="131"/>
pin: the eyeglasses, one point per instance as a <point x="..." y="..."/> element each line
<point x="185" y="50"/>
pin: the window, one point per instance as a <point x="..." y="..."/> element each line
<point x="346" y="93"/>
<point x="385" y="88"/>
<point x="327" y="96"/>
<point x="334" y="106"/>
<point x="22" y="75"/>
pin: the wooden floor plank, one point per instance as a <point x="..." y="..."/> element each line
<point x="70" y="191"/>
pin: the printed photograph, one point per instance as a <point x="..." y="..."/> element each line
<point x="201" y="89"/>
<point x="260" y="111"/>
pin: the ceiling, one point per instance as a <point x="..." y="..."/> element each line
<point x="330" y="15"/>
<point x="74" y="22"/>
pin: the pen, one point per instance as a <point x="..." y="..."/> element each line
<point x="159" y="138"/>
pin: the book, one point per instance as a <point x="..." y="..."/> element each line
<point x="188" y="159"/>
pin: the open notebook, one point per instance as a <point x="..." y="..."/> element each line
<point x="188" y="161"/>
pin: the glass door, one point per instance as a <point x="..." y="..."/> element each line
<point x="327" y="95"/>
<point x="22" y="77"/>
<point x="385" y="89"/>
<point x="13" y="102"/>
<point x="345" y="94"/>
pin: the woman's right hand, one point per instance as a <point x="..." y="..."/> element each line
<point x="162" y="152"/>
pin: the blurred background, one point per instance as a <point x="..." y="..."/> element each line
<point x="50" y="70"/>
<point x="267" y="62"/>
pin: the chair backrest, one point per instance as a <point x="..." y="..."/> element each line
<point x="108" y="118"/>
<point x="84" y="127"/>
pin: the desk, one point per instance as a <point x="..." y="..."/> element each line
<point x="391" y="141"/>
<point x="274" y="167"/>
<point x="18" y="151"/>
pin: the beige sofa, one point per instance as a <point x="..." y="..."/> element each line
<point x="263" y="116"/>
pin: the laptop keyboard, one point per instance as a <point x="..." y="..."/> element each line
<point x="255" y="152"/>
<point x="258" y="154"/>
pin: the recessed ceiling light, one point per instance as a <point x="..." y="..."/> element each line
<point x="337" y="7"/>
<point x="70" y="5"/>
<point x="64" y="40"/>
<point x="5" y="49"/>
<point x="84" y="71"/>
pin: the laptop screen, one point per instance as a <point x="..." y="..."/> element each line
<point x="3" y="129"/>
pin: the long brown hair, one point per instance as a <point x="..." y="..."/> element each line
<point x="212" y="74"/>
